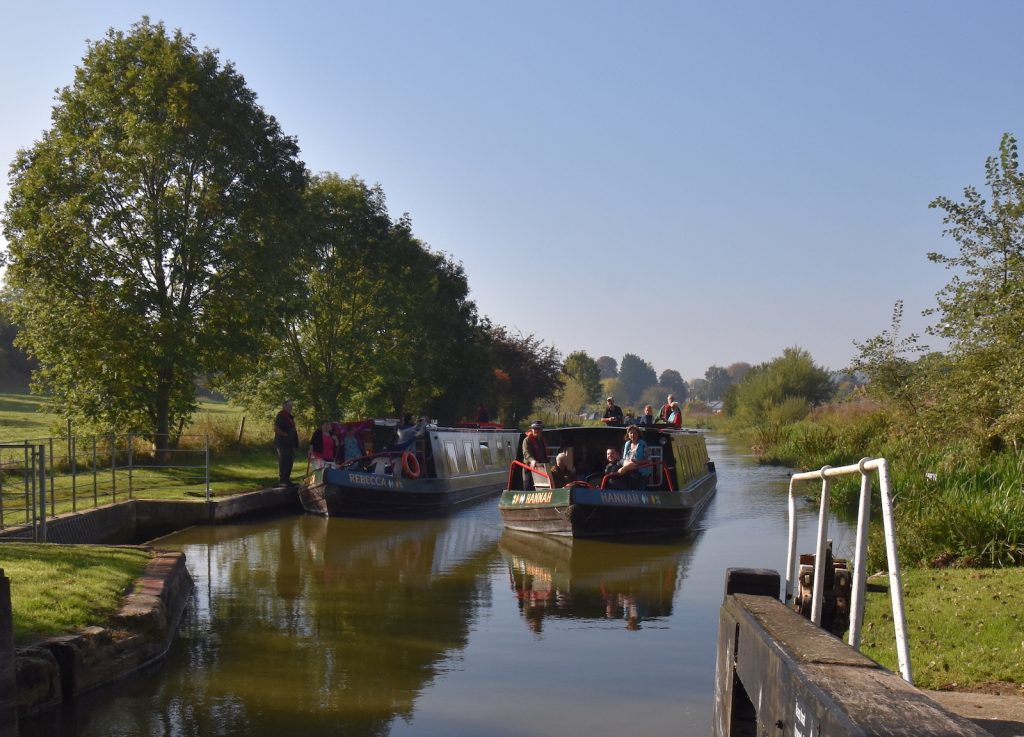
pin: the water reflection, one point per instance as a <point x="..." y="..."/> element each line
<point x="312" y="625"/>
<point x="589" y="579"/>
<point x="408" y="628"/>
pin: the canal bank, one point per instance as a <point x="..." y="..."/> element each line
<point x="50" y="674"/>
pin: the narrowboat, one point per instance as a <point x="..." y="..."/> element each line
<point x="442" y="468"/>
<point x="668" y="499"/>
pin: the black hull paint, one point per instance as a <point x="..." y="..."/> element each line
<point x="330" y="500"/>
<point x="576" y="517"/>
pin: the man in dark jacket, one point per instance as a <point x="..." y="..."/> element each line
<point x="286" y="440"/>
<point x="613" y="414"/>
<point x="535" y="451"/>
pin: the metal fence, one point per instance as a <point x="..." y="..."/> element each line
<point x="46" y="477"/>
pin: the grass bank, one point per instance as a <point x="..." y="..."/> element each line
<point x="965" y="627"/>
<point x="56" y="589"/>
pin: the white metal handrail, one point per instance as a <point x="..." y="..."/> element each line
<point x="865" y="467"/>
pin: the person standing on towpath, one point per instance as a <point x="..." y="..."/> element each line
<point x="286" y="440"/>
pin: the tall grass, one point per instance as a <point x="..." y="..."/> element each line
<point x="954" y="505"/>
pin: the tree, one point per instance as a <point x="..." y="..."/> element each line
<point x="584" y="370"/>
<point x="15" y="366"/>
<point x="386" y="325"/>
<point x="885" y="361"/>
<point x="635" y="375"/>
<point x="672" y="382"/>
<point x="609" y="367"/>
<point x="718" y="382"/>
<point x="982" y="307"/>
<point x="147" y="230"/>
<point x="792" y="378"/>
<point x="526" y="370"/>
<point x="737" y="371"/>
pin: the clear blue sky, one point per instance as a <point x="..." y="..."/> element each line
<point x="694" y="183"/>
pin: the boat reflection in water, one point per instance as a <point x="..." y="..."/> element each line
<point x="560" y="577"/>
<point x="308" y="626"/>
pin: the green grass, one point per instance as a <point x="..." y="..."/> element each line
<point x="22" y="417"/>
<point x="56" y="589"/>
<point x="234" y="467"/>
<point x="965" y="627"/>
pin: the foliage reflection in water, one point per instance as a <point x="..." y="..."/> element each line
<point x="314" y="626"/>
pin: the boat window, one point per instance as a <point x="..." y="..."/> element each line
<point x="470" y="456"/>
<point x="485" y="455"/>
<point x="453" y="456"/>
<point x="499" y="453"/>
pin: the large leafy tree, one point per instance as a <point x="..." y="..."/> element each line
<point x="719" y="382"/>
<point x="584" y="370"/>
<point x="792" y="379"/>
<point x="385" y="323"/>
<point x="635" y="375"/>
<point x="609" y="367"/>
<point x="981" y="309"/>
<point x="525" y="370"/>
<point x="672" y="382"/>
<point x="147" y="230"/>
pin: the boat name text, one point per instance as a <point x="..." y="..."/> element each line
<point x="372" y="479"/>
<point x="536" y="497"/>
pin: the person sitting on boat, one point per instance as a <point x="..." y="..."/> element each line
<point x="675" y="415"/>
<point x="666" y="409"/>
<point x="633" y="453"/>
<point x="611" y="477"/>
<point x="647" y="418"/>
<point x="612" y="413"/>
<point x="324" y="446"/>
<point x="535" y="452"/>
<point x="562" y="473"/>
<point x="406" y="433"/>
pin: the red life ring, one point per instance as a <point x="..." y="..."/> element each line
<point x="410" y="466"/>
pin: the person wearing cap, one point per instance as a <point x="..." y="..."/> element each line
<point x="613" y="414"/>
<point x="535" y="451"/>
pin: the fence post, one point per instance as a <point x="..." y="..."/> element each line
<point x="29" y="477"/>
<point x="206" y="439"/>
<point x="95" y="478"/>
<point x="73" y="462"/>
<point x="131" y="460"/>
<point x="42" y="492"/>
<point x="113" y="467"/>
<point x="53" y="476"/>
<point x="241" y="429"/>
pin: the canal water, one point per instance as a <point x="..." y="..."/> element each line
<point x="453" y="627"/>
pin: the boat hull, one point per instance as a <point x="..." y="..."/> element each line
<point x="592" y="512"/>
<point x="345" y="493"/>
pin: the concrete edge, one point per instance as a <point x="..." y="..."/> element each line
<point x="54" y="671"/>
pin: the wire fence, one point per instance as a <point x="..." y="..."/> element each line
<point x="46" y="477"/>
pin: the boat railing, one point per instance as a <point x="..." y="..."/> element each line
<point x="865" y="468"/>
<point x="542" y="472"/>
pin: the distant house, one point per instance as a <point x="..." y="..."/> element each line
<point x="715" y="406"/>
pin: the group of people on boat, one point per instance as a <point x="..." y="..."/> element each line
<point x="332" y="443"/>
<point x="670" y="414"/>
<point x="625" y="469"/>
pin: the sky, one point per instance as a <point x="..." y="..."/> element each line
<point x="696" y="184"/>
